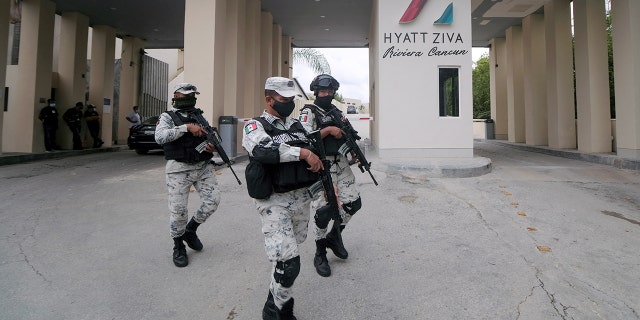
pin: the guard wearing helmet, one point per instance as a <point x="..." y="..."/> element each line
<point x="314" y="117"/>
<point x="179" y="134"/>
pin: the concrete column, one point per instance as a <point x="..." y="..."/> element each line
<point x="498" y="86"/>
<point x="287" y="58"/>
<point x="129" y="85"/>
<point x="235" y="51"/>
<point x="626" y="56"/>
<point x="254" y="86"/>
<point x="266" y="45"/>
<point x="515" y="85"/>
<point x="535" y="90"/>
<point x="72" y="67"/>
<point x="276" y="55"/>
<point x="559" y="52"/>
<point x="204" y="54"/>
<point x="101" y="79"/>
<point x="30" y="86"/>
<point x="592" y="80"/>
<point x="4" y="47"/>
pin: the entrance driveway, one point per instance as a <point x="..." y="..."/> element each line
<point x="539" y="237"/>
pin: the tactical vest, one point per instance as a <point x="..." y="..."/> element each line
<point x="184" y="148"/>
<point x="331" y="144"/>
<point x="287" y="176"/>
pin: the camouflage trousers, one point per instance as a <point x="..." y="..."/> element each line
<point x="179" y="185"/>
<point x="285" y="219"/>
<point x="343" y="178"/>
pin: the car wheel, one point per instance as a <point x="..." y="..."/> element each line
<point x="142" y="151"/>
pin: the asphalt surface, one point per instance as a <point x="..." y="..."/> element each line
<point x="537" y="237"/>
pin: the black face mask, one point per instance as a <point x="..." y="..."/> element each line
<point x="284" y="109"/>
<point x="323" y="102"/>
<point x="187" y="102"/>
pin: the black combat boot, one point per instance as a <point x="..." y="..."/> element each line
<point x="179" y="253"/>
<point x="320" y="259"/>
<point x="269" y="310"/>
<point x="287" y="311"/>
<point x="190" y="236"/>
<point x="334" y="242"/>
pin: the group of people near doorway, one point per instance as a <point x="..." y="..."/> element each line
<point x="73" y="118"/>
<point x="281" y="144"/>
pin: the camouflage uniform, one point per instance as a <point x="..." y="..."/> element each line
<point x="341" y="175"/>
<point x="180" y="176"/>
<point x="285" y="216"/>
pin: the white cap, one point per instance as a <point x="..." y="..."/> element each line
<point x="283" y="86"/>
<point x="185" y="88"/>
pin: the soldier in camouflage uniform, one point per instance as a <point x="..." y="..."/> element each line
<point x="279" y="144"/>
<point x="179" y="134"/>
<point x="314" y="117"/>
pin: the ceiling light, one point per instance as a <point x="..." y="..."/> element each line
<point x="484" y="22"/>
<point x="322" y="16"/>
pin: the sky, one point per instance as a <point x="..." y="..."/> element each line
<point x="351" y="68"/>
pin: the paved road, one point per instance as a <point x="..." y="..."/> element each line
<point x="540" y="237"/>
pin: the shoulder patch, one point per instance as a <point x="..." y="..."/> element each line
<point x="250" y="126"/>
<point x="303" y="118"/>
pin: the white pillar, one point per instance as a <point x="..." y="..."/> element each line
<point x="625" y="16"/>
<point x="287" y="57"/>
<point x="266" y="46"/>
<point x="101" y="79"/>
<point x="254" y="86"/>
<point x="72" y="67"/>
<point x="535" y="91"/>
<point x="498" y="84"/>
<point x="515" y="85"/>
<point x="560" y="89"/>
<point x="592" y="76"/>
<point x="129" y="84"/>
<point x="4" y="43"/>
<point x="31" y="86"/>
<point x="204" y="54"/>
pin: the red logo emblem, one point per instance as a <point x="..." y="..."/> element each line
<point x="412" y="11"/>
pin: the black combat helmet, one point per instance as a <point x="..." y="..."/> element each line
<point x="324" y="81"/>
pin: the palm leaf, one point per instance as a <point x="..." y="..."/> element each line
<point x="313" y="59"/>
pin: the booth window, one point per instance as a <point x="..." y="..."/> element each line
<point x="449" y="92"/>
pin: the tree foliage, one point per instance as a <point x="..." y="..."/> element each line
<point x="481" y="89"/>
<point x="313" y="58"/>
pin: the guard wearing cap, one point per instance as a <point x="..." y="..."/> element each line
<point x="281" y="167"/>
<point x="92" y="117"/>
<point x="179" y="134"/>
<point x="314" y="117"/>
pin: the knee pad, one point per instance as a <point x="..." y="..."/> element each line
<point x="287" y="271"/>
<point x="352" y="207"/>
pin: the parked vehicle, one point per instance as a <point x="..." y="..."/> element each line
<point x="142" y="137"/>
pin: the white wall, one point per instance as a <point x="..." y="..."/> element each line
<point x="407" y="106"/>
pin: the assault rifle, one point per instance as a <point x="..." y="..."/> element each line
<point x="330" y="210"/>
<point x="351" y="135"/>
<point x="213" y="137"/>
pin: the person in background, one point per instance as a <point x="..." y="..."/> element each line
<point x="178" y="133"/>
<point x="49" y="117"/>
<point x="73" y="118"/>
<point x="134" y="117"/>
<point x="92" y="117"/>
<point x="279" y="143"/>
